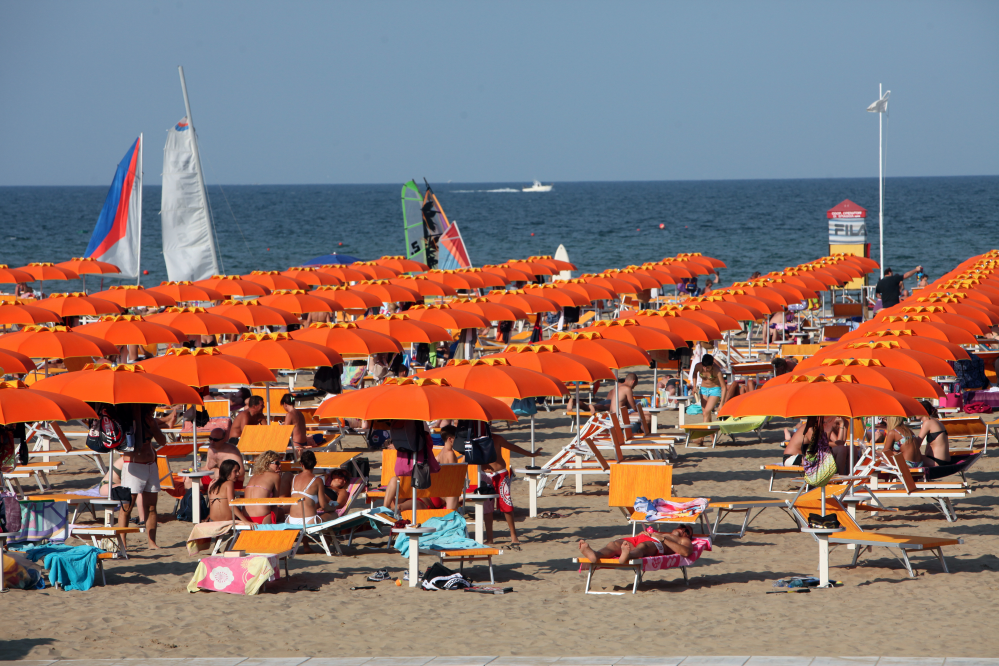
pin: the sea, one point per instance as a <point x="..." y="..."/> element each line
<point x="752" y="225"/>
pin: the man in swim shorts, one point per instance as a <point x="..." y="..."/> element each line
<point x="646" y="544"/>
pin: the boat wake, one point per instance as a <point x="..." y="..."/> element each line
<point x="502" y="189"/>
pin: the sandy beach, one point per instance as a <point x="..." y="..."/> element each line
<point x="145" y="610"/>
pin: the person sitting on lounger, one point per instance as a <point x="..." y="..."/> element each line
<point x="296" y="420"/>
<point x="647" y="544"/>
<point x="902" y="440"/>
<point x="309" y="487"/>
<point x="253" y="414"/>
<point x="446" y="456"/>
<point x="625" y="397"/>
<point x="337" y="485"/>
<point x="934" y="435"/>
<point x="265" y="482"/>
<point x="222" y="492"/>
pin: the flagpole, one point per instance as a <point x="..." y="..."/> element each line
<point x="881" y="187"/>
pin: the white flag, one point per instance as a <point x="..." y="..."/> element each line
<point x="880" y="106"/>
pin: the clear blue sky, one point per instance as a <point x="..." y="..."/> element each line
<point x="292" y="92"/>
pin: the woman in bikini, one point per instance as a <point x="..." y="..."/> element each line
<point x="646" y="544"/>
<point x="713" y="387"/>
<point x="309" y="487"/>
<point x="934" y="435"/>
<point x="265" y="482"/>
<point x="223" y="491"/>
<point x="902" y="440"/>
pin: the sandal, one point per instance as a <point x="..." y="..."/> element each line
<point x="380" y="575"/>
<point x="514" y="546"/>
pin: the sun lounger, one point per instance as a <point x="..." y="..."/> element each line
<point x="110" y="539"/>
<point x="853" y="533"/>
<point x="942" y="496"/>
<point x="257" y="439"/>
<point x="48" y="434"/>
<point x="746" y="507"/>
<point x="653" y="481"/>
<point x="962" y="431"/>
<point x="788" y="470"/>
<point x="36" y="470"/>
<point x="281" y="544"/>
<point x="729" y="426"/>
<point x="640" y="566"/>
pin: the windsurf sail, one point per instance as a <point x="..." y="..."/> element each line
<point x="451" y="252"/>
<point x="412" y="221"/>
<point x="188" y="237"/>
<point x="117" y="237"/>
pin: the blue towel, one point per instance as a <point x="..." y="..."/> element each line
<point x="346" y="524"/>
<point x="449" y="535"/>
<point x="73" y="567"/>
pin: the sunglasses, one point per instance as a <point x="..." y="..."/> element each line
<point x="216" y="439"/>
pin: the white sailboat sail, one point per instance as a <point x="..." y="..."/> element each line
<point x="188" y="240"/>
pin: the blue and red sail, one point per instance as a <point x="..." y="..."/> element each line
<point x="119" y="226"/>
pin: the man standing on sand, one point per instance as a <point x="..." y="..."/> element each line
<point x="296" y="420"/>
<point x="252" y="414"/>
<point x="139" y="472"/>
<point x="890" y="287"/>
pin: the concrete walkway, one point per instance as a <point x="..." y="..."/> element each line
<point x="527" y="661"/>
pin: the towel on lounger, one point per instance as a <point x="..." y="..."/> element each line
<point x="449" y="534"/>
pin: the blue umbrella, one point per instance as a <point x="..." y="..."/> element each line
<point x="331" y="259"/>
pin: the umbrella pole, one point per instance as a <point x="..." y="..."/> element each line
<point x="850" y="471"/>
<point x="533" y="466"/>
<point x="111" y="473"/>
<point x="577" y="410"/>
<point x="617" y="399"/>
<point x="415" y="515"/>
<point x="749" y="339"/>
<point x="194" y="429"/>
<point x="655" y="383"/>
<point x="267" y="401"/>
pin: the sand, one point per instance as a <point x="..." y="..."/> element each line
<point x="145" y="610"/>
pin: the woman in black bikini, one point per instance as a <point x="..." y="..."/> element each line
<point x="223" y="491"/>
<point x="934" y="435"/>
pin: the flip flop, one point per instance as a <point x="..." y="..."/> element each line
<point x="514" y="546"/>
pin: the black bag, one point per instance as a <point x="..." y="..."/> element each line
<point x="185" y="512"/>
<point x="421" y="475"/>
<point x="817" y="521"/>
<point x="362" y="463"/>
<point x="327" y="379"/>
<point x="422" y="353"/>
<point x="10" y="512"/>
<point x="406" y="437"/>
<point x="21" y="439"/>
<point x="122" y="494"/>
<point x="477" y="439"/>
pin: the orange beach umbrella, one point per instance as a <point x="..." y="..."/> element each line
<point x="233" y="285"/>
<point x="20" y="312"/>
<point x="77" y="304"/>
<point x="55" y="342"/>
<point x="186" y="291"/>
<point x="277" y="351"/>
<point x="405" y="329"/>
<point x="348" y="339"/>
<point x="207" y="366"/>
<point x="131" y="330"/>
<point x="120" y="384"/>
<point x="251" y="313"/>
<point x="20" y="404"/>
<point x="134" y="296"/>
<point x="198" y="321"/>
<point x="870" y="372"/>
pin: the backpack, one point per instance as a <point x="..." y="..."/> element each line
<point x="970" y="373"/>
<point x="328" y="380"/>
<point x="184" y="510"/>
<point x="111" y="433"/>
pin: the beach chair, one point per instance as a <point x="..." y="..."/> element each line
<point x="899" y="545"/>
<point x="257" y="439"/>
<point x="653" y="481"/>
<point x="281" y="544"/>
<point x="941" y="494"/>
<point x="459" y="555"/>
<point x="37" y="470"/>
<point x="47" y="434"/>
<point x="107" y="538"/>
<point x="640" y="566"/>
<point x="745" y="507"/>
<point x="784" y="470"/>
<point x="170" y="483"/>
<point x="964" y="430"/>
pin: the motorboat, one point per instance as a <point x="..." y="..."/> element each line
<point x="537" y="187"/>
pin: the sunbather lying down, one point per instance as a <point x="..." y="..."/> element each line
<point x="646" y="544"/>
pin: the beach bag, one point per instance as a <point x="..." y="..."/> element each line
<point x="478" y="442"/>
<point x="977" y="408"/>
<point x="328" y="379"/>
<point x="819" y="472"/>
<point x="10" y="516"/>
<point x="111" y="434"/>
<point x="184" y="510"/>
<point x="407" y="461"/>
<point x="694" y="409"/>
<point x="524" y="407"/>
<point x="952" y="400"/>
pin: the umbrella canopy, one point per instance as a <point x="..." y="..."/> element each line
<point x="46" y="270"/>
<point x="77" y="304"/>
<point x="799" y="279"/>
<point x="488" y="279"/>
<point x="630" y="331"/>
<point x="333" y="259"/>
<point x="198" y="321"/>
<point x="660" y="274"/>
<point x="947" y="351"/>
<point x="551" y="262"/>
<point x="784" y="285"/>
<point x="508" y="273"/>
<point x="186" y="291"/>
<point x="870" y="372"/>
<point x="498" y="377"/>
<point x="347" y="298"/>
<point x="640" y="281"/>
<point x="424" y="286"/>
<point x="566" y="298"/>
<point x="19" y="312"/>
<point x="15" y="363"/>
<point x="737" y="311"/>
<point x="344" y="274"/>
<point x="120" y="384"/>
<point x="207" y="366"/>
<point x="233" y="285"/>
<point x="969" y="324"/>
<point x="277" y="351"/>
<point x="611" y="284"/>
<point x="10" y="275"/>
<point x="688" y="329"/>
<point x="805" y="396"/>
<point x="593" y="292"/>
<point x="488" y="309"/>
<point x="677" y="269"/>
<point x="415" y="399"/>
<point x="447" y="317"/>
<point x="348" y="339"/>
<point x="55" y="342"/>
<point x="456" y="280"/>
<point x="842" y="275"/>
<point x="405" y="329"/>
<point x="88" y="266"/>
<point x="528" y="302"/>
<point x="695" y="268"/>
<point x="695" y="312"/>
<point x="273" y="280"/>
<point x="296" y="301"/>
<point x="981" y="315"/>
<point x="388" y="292"/>
<point x="697" y="257"/>
<point x="817" y="274"/>
<point x="533" y="268"/>
<point x="310" y="276"/>
<point x="134" y="296"/>
<point x="131" y="330"/>
<point x="740" y="296"/>
<point x="550" y="360"/>
<point x="891" y="353"/>
<point x="251" y="313"/>
<point x="961" y="302"/>
<point x="374" y="271"/>
<point x="919" y="324"/>
<point x="612" y="353"/>
<point x="19" y="404"/>
<point x="401" y="264"/>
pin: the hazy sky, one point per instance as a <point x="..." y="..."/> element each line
<point x="293" y="92"/>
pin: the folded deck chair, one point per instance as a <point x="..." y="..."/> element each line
<point x="898" y="544"/>
<point x="640" y="566"/>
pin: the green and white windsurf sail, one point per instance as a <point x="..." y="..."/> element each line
<point x="412" y="220"/>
